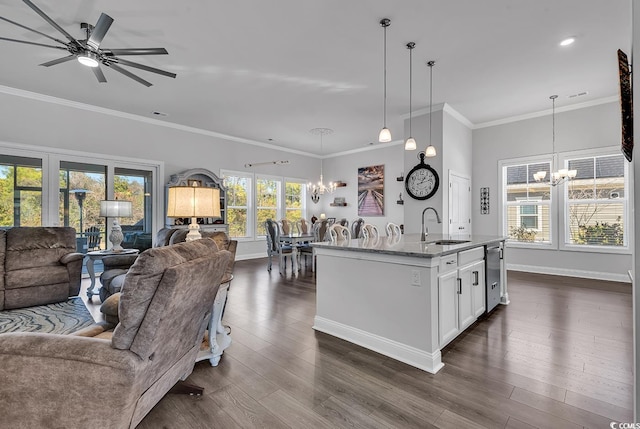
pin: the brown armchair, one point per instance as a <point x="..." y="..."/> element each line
<point x="164" y="307"/>
<point x="38" y="265"/>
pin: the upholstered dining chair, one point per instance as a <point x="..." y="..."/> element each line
<point x="356" y="228"/>
<point x="370" y="231"/>
<point x="339" y="233"/>
<point x="393" y="229"/>
<point x="344" y="222"/>
<point x="276" y="248"/>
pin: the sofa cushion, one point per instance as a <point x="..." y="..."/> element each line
<point x="36" y="247"/>
<point x="37" y="276"/>
<point x="144" y="278"/>
<point x="164" y="236"/>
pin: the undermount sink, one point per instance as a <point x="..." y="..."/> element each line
<point x="448" y="242"/>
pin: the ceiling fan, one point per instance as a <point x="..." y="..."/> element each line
<point x="88" y="51"/>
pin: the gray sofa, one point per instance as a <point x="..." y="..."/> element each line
<point x="38" y="265"/>
<point x="47" y="379"/>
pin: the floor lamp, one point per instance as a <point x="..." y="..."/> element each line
<point x="193" y="202"/>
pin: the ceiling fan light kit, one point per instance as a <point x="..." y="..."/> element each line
<point x="88" y="52"/>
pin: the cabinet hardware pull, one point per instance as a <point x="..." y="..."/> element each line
<point x="476" y="280"/>
<point x="459" y="286"/>
<point x="451" y="262"/>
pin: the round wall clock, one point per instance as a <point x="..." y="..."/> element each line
<point x="422" y="181"/>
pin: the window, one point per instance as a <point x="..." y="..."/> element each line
<point x="527" y="203"/>
<point x="267" y="201"/>
<point x="596" y="202"/>
<point x="238" y="204"/>
<point x="294" y="200"/>
<point x="20" y="191"/>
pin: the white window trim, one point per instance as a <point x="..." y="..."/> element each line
<point x="563" y="158"/>
<point x="502" y="218"/>
<point x="302" y="182"/>
<point x="251" y="217"/>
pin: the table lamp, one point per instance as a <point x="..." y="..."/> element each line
<point x="194" y="202"/>
<point x="116" y="209"/>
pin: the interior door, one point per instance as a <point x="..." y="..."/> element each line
<point x="459" y="205"/>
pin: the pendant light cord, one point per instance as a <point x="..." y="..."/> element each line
<point x="410" y="45"/>
<point x="384" y="121"/>
<point x="430" y="64"/>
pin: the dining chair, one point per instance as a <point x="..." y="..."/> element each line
<point x="356" y="228"/>
<point x="339" y="233"/>
<point x="370" y="231"/>
<point x="393" y="229"/>
<point x="276" y="248"/>
<point x="344" y="222"/>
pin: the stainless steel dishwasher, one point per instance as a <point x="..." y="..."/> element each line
<point x="493" y="254"/>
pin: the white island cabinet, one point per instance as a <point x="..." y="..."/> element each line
<point x="401" y="297"/>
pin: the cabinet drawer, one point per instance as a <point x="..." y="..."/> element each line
<point x="448" y="263"/>
<point x="472" y="255"/>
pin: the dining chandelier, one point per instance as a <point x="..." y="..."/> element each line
<point x="317" y="189"/>
<point x="560" y="176"/>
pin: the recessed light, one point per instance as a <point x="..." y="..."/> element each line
<point x="568" y="41"/>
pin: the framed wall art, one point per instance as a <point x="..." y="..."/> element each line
<point x="371" y="191"/>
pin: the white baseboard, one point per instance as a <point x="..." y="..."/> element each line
<point x="430" y="362"/>
<point x="251" y="256"/>
<point x="596" y="275"/>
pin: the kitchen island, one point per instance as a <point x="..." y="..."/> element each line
<point x="401" y="297"/>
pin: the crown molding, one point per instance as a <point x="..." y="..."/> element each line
<point x="139" y="118"/>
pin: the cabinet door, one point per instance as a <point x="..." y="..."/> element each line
<point x="478" y="289"/>
<point x="448" y="307"/>
<point x="465" y="297"/>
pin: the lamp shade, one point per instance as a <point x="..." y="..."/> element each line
<point x="116" y="208"/>
<point x="193" y="201"/>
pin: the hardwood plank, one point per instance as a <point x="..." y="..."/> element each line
<point x="245" y="412"/>
<point x="514" y="423"/>
<point x="341" y="415"/>
<point x="611" y="411"/>
<point x="559" y="409"/>
<point x="450" y="420"/>
<point x="293" y="413"/>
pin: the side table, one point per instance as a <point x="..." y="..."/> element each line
<point x="218" y="337"/>
<point x="99" y="255"/>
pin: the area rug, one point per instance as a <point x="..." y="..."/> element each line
<point x="59" y="318"/>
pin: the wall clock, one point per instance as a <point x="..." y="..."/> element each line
<point x="422" y="181"/>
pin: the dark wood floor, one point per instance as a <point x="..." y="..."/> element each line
<point x="559" y="356"/>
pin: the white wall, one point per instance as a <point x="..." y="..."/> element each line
<point x="591" y="127"/>
<point x="345" y="168"/>
<point x="43" y="123"/>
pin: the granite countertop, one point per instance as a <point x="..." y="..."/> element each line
<point x="410" y="245"/>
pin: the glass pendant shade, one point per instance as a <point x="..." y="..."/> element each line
<point x="385" y="135"/>
<point x="430" y="152"/>
<point x="410" y="144"/>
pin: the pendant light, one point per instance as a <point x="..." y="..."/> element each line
<point x="385" y="134"/>
<point x="563" y="174"/>
<point x="431" y="150"/>
<point x="317" y="189"/>
<point x="410" y="144"/>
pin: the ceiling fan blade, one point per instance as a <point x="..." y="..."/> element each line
<point x="32" y="43"/>
<point x="99" y="31"/>
<point x="146" y="68"/>
<point x="129" y="74"/>
<point x="99" y="75"/>
<point x="31" y="29"/>
<point x="50" y="21"/>
<point x="58" y="61"/>
<point x="136" y="51"/>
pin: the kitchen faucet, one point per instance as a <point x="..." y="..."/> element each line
<point x="424" y="232"/>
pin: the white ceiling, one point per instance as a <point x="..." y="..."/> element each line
<point x="261" y="70"/>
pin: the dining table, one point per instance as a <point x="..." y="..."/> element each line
<point x="294" y="240"/>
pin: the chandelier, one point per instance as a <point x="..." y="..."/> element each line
<point x="317" y="189"/>
<point x="557" y="176"/>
